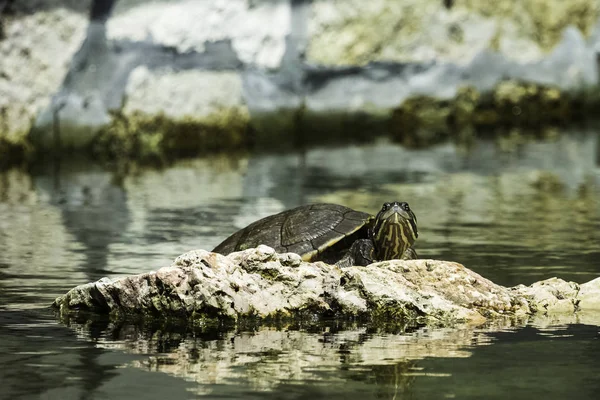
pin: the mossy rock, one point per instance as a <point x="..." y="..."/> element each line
<point x="157" y="137"/>
<point x="302" y="127"/>
<point x="528" y="104"/>
<point x="423" y="120"/>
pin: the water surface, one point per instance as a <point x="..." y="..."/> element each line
<point x="515" y="216"/>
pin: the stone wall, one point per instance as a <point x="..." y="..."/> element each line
<point x="72" y="72"/>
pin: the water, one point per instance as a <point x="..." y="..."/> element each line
<point x="515" y="216"/>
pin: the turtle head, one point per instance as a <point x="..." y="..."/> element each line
<point x="394" y="230"/>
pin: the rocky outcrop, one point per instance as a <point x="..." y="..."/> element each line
<point x="259" y="283"/>
<point x="557" y="295"/>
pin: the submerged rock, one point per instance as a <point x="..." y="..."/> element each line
<point x="260" y="283"/>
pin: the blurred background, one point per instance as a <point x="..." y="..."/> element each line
<point x="133" y="131"/>
<point x="124" y="79"/>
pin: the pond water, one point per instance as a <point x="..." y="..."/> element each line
<point x="515" y="215"/>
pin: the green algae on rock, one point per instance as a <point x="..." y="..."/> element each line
<point x="171" y="113"/>
<point x="149" y="137"/>
<point x="423" y="120"/>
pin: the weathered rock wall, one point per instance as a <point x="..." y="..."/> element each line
<point x="208" y="65"/>
<point x="37" y="45"/>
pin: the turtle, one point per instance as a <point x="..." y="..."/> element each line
<point x="332" y="233"/>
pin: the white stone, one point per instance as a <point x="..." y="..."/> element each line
<point x="589" y="295"/>
<point x="257" y="33"/>
<point x="34" y="59"/>
<point x="182" y="93"/>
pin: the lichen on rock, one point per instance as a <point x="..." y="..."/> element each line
<point x="343" y="33"/>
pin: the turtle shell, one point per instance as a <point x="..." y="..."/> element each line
<point x="311" y="231"/>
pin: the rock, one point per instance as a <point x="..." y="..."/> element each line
<point x="171" y="93"/>
<point x="341" y="32"/>
<point x="36" y="50"/>
<point x="551" y="295"/>
<point x="589" y="295"/>
<point x="257" y="31"/>
<point x="259" y="283"/>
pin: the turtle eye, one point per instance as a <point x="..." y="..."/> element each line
<point x="405" y="206"/>
<point x="385" y="206"/>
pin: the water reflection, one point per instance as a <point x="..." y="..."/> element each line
<point x="41" y="359"/>
<point x="332" y="359"/>
<point x="93" y="210"/>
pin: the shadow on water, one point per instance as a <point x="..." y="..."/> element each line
<point x="514" y="215"/>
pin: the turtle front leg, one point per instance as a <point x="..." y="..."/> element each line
<point x="409" y="254"/>
<point x="360" y="253"/>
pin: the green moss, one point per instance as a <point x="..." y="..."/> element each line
<point x="512" y="111"/>
<point x="205" y="321"/>
<point x="293" y="129"/>
<point x="529" y="104"/>
<point x="512" y="105"/>
<point x="336" y="127"/>
<point x="420" y="120"/>
<point x="356" y="38"/>
<point x="392" y="312"/>
<point x="146" y="138"/>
